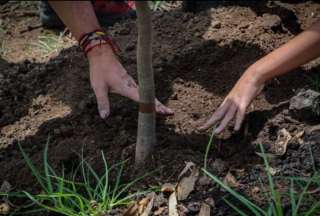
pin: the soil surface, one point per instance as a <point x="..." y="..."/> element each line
<point x="198" y="57"/>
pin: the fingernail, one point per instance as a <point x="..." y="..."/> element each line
<point x="103" y="114"/>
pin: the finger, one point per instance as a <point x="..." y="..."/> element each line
<point x="102" y="97"/>
<point x="162" y="109"/>
<point x="239" y="118"/>
<point x="217" y="115"/>
<point x="227" y="118"/>
<point x="129" y="89"/>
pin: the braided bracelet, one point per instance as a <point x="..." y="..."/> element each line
<point x="96" y="38"/>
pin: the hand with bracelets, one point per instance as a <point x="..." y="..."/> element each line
<point x="107" y="75"/>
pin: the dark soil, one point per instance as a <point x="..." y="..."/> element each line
<point x="197" y="59"/>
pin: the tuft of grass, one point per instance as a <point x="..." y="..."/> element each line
<point x="93" y="195"/>
<point x="274" y="205"/>
<point x="49" y="43"/>
<point x="156" y="5"/>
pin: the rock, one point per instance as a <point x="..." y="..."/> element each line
<point x="305" y="105"/>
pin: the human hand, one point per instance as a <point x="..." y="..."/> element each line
<point x="235" y="104"/>
<point x="107" y="75"/>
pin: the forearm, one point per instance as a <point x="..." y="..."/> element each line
<point x="78" y="16"/>
<point x="300" y="50"/>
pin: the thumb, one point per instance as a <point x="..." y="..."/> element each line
<point x="102" y="101"/>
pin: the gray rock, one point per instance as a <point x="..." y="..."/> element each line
<point x="305" y="105"/>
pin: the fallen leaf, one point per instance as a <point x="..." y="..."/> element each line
<point x="133" y="210"/>
<point x="230" y="180"/>
<point x="204" y="210"/>
<point x="149" y="206"/>
<point x="167" y="188"/>
<point x="281" y="143"/>
<point x="4" y="208"/>
<point x="159" y="211"/>
<point x="173" y="205"/>
<point x="299" y="134"/>
<point x="188" y="167"/>
<point x="187" y="183"/>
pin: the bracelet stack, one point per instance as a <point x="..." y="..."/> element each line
<point x="96" y="38"/>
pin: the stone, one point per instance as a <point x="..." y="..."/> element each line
<point x="305" y="105"/>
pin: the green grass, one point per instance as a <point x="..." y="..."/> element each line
<point x="49" y="43"/>
<point x="274" y="204"/>
<point x="205" y="163"/>
<point x="156" y="5"/>
<point x="92" y="195"/>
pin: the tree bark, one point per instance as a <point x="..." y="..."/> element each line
<point x="146" y="121"/>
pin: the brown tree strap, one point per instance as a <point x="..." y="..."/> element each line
<point x="146" y="107"/>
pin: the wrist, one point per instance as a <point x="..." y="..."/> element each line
<point x="102" y="51"/>
<point x="254" y="75"/>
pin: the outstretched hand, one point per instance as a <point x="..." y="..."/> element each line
<point x="107" y="75"/>
<point x="235" y="104"/>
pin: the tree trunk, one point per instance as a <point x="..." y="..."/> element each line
<point x="146" y="122"/>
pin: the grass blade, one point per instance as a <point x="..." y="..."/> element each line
<point x="254" y="208"/>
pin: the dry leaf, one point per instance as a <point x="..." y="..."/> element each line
<point x="173" y="205"/>
<point x="204" y="210"/>
<point x="282" y="142"/>
<point x="149" y="205"/>
<point x="188" y="167"/>
<point x="167" y="188"/>
<point x="159" y="211"/>
<point x="133" y="210"/>
<point x="230" y="180"/>
<point x="187" y="183"/>
<point x="4" y="209"/>
<point x="299" y="134"/>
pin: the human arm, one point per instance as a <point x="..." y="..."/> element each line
<point x="298" y="51"/>
<point x="107" y="75"/>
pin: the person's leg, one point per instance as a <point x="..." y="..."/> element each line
<point x="107" y="12"/>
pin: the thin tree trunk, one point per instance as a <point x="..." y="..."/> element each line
<point x="146" y="122"/>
